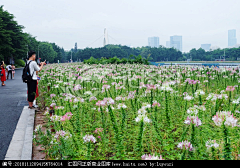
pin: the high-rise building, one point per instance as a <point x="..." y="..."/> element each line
<point x="232" y="40"/>
<point x="176" y="42"/>
<point x="167" y="44"/>
<point x="153" y="42"/>
<point x="206" y="47"/>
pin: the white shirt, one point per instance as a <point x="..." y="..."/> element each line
<point x="8" y="67"/>
<point x="33" y="67"/>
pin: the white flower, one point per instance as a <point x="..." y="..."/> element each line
<point x="55" y="118"/>
<point x="46" y="112"/>
<point x="92" y="98"/>
<point x="142" y="117"/>
<point x="88" y="138"/>
<point x="75" y="100"/>
<point x="193" y="119"/>
<point x="88" y="92"/>
<point x="146" y="105"/>
<point x="210" y="96"/>
<point x="137" y="119"/>
<point x="188" y="98"/>
<point x="199" y="92"/>
<point x="121" y="105"/>
<point x="120" y="98"/>
<point x="38" y="128"/>
<point x="75" y="106"/>
<point x="109" y="101"/>
<point x="222" y="91"/>
<point x="202" y="108"/>
<point x="151" y="157"/>
<point x="212" y="143"/>
<point x="166" y="88"/>
<point x="107" y="108"/>
<point x="146" y="120"/>
<point x="77" y="87"/>
<point x="185" y="145"/>
<point x="235" y="101"/>
<point x="192" y="111"/>
<point x="227" y="116"/>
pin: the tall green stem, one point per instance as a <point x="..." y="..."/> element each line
<point x="140" y="137"/>
<point x="227" y="149"/>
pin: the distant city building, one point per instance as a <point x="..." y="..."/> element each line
<point x="232" y="40"/>
<point x="206" y="47"/>
<point x="167" y="44"/>
<point x="153" y="42"/>
<point x="176" y="42"/>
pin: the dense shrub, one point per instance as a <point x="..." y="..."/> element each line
<point x="116" y="60"/>
<point x="20" y="62"/>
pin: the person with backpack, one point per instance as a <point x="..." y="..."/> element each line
<point x="9" y="71"/>
<point x="30" y="77"/>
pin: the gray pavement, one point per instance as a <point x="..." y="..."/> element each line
<point x="12" y="101"/>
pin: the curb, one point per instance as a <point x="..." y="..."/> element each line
<point x="20" y="147"/>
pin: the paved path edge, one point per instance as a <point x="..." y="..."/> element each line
<point x="20" y="147"/>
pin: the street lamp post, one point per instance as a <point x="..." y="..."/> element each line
<point x="27" y="51"/>
<point x="38" y="52"/>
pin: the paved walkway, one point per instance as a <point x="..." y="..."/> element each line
<point x="12" y="101"/>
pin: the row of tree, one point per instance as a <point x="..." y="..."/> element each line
<point x="15" y="44"/>
<point x="230" y="54"/>
<point x="110" y="51"/>
<point x="153" y="54"/>
<point x="115" y="60"/>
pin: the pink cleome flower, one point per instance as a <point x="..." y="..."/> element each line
<point x="67" y="116"/>
<point x="230" y="88"/>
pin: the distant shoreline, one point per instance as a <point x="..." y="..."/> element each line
<point x="198" y="62"/>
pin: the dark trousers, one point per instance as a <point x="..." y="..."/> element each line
<point x="32" y="87"/>
<point x="9" y="72"/>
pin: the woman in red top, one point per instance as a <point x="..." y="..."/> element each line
<point x="3" y="76"/>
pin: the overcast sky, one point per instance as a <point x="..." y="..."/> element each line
<point x="128" y="22"/>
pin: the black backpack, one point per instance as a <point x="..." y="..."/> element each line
<point x="26" y="76"/>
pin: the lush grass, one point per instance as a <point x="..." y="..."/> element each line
<point x="126" y="134"/>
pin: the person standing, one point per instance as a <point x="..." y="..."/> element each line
<point x="3" y="74"/>
<point x="9" y="71"/>
<point x="32" y="85"/>
<point x="13" y="70"/>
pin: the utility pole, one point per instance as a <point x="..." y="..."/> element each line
<point x="224" y="54"/>
<point x="38" y="53"/>
<point x="71" y="56"/>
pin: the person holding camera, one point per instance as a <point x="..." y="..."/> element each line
<point x="32" y="85"/>
<point x="2" y="73"/>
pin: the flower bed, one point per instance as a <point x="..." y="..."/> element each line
<point x="132" y="111"/>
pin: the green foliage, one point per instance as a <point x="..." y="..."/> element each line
<point x="116" y="60"/>
<point x="15" y="44"/>
<point x="12" y="39"/>
<point x="231" y="54"/>
<point x="20" y="62"/>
